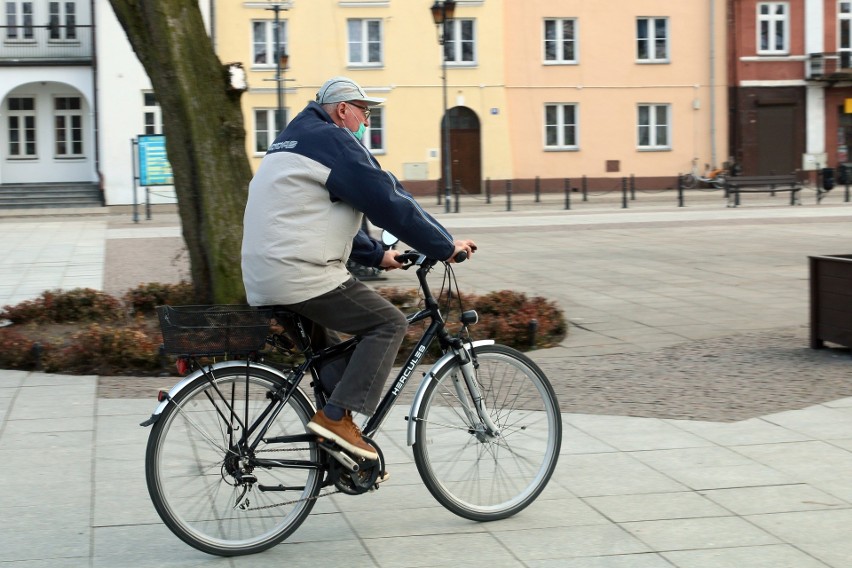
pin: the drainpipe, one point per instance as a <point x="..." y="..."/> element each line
<point x="95" y="110"/>
<point x="713" y="83"/>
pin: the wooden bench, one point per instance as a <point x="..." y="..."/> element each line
<point x="762" y="184"/>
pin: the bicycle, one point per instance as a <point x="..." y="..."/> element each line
<point x="714" y="176"/>
<point x="232" y="470"/>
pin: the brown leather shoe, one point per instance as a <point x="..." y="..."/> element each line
<point x="344" y="433"/>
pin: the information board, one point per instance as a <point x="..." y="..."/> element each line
<point x="154" y="167"/>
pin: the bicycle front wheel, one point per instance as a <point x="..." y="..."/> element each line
<point x="211" y="491"/>
<point x="477" y="475"/>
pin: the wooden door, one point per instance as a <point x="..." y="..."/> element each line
<point x="465" y="150"/>
<point x="776" y="129"/>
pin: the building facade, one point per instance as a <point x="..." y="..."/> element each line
<point x="791" y="77"/>
<point x="47" y="93"/>
<point x="536" y="89"/>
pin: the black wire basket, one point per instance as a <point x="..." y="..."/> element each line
<point x="213" y="330"/>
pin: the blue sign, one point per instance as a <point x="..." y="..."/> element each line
<point x="154" y="167"/>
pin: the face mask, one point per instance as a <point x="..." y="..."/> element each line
<point x="358" y="134"/>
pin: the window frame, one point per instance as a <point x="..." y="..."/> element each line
<point x="27" y="23"/>
<point x="22" y="141"/>
<point x="653" y="127"/>
<point x="456" y="46"/>
<point x="270" y="120"/>
<point x="65" y="25"/>
<point x="769" y="19"/>
<point x="560" y="41"/>
<point x="651" y="40"/>
<point x="364" y="42"/>
<point x="65" y="133"/>
<point x="560" y="126"/>
<point x="151" y="108"/>
<point x="378" y="128"/>
<point x="844" y="19"/>
<point x="268" y="42"/>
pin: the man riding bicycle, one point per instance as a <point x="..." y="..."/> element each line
<point x="302" y="223"/>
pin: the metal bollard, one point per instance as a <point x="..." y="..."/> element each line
<point x="438" y="190"/>
<point x="679" y="190"/>
<point x="457" y="192"/>
<point x="508" y="195"/>
<point x="624" y="193"/>
<point x="585" y="185"/>
<point x="537" y="189"/>
<point x="567" y="193"/>
<point x="632" y="187"/>
<point x="532" y="329"/>
<point x="148" y="203"/>
<point x="487" y="190"/>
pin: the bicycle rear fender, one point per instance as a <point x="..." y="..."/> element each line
<point x="192" y="376"/>
<point x="424" y="384"/>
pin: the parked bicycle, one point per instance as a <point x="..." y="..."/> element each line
<point x="714" y="176"/>
<point x="232" y="470"/>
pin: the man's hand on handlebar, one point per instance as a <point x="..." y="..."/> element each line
<point x="467" y="247"/>
<point x="389" y="261"/>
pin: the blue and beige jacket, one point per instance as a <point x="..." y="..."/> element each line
<point x="305" y="208"/>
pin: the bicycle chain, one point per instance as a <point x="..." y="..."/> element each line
<point x="285" y="503"/>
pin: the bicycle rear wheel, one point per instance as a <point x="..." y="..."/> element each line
<point x="482" y="477"/>
<point x="689" y="181"/>
<point x="208" y="491"/>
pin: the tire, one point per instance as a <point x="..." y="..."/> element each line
<point x="719" y="181"/>
<point x="690" y="181"/>
<point x="187" y="465"/>
<point x="489" y="479"/>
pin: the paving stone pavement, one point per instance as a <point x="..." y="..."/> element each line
<point x="700" y="430"/>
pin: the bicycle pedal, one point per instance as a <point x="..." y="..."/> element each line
<point x="340" y="456"/>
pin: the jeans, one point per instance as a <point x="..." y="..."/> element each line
<point x="355" y="309"/>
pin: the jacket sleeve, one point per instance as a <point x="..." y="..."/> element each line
<point x="366" y="250"/>
<point x="358" y="180"/>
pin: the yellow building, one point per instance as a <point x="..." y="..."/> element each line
<point x="537" y="88"/>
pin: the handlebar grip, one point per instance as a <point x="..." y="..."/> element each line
<point x="461" y="256"/>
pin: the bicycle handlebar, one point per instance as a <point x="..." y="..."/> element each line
<point x="412" y="257"/>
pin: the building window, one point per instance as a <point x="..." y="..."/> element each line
<point x="560" y="126"/>
<point x="22" y="127"/>
<point x="68" y="119"/>
<point x="652" y="40"/>
<point x="266" y="128"/>
<point x="560" y="42"/>
<point x="653" y="127"/>
<point x="153" y="114"/>
<point x="844" y="36"/>
<point x="263" y="42"/>
<point x="773" y="28"/>
<point x="365" y="42"/>
<point x="460" y="43"/>
<point x="374" y="139"/>
<point x="19" y="20"/>
<point x="62" y="20"/>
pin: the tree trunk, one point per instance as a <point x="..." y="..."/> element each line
<point x="205" y="138"/>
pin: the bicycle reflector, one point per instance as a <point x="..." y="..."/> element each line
<point x="182" y="365"/>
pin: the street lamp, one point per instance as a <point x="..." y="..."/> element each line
<point x="442" y="13"/>
<point x="281" y="58"/>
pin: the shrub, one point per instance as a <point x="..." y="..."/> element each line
<point x="105" y="350"/>
<point x="77" y="305"/>
<point x="145" y="297"/>
<point x="505" y="316"/>
<point x="16" y="350"/>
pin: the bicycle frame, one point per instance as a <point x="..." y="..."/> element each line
<point x="453" y="348"/>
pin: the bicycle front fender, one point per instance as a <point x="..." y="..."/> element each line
<point x="433" y="371"/>
<point x="194" y="375"/>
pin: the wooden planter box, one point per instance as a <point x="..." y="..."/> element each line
<point x="831" y="300"/>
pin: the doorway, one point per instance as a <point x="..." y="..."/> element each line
<point x="776" y="125"/>
<point x="465" y="150"/>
